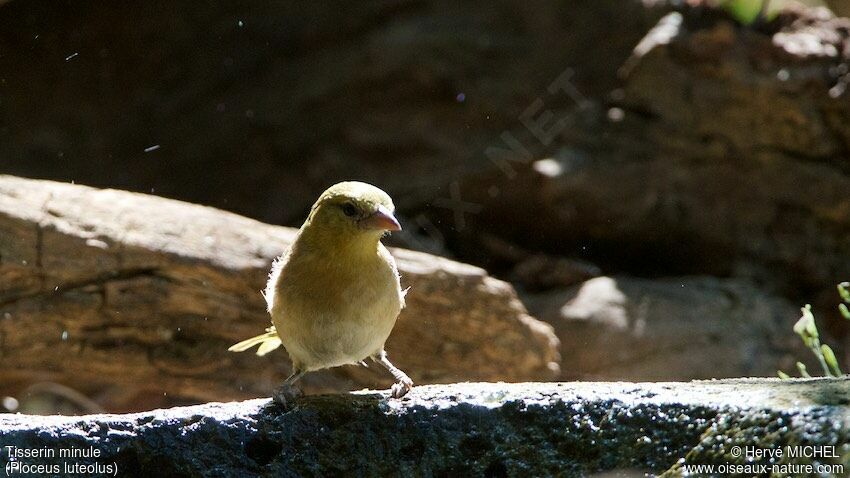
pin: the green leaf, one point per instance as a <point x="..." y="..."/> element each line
<point x="747" y="11"/>
<point x="783" y="375"/>
<point x="844" y="311"/>
<point x="803" y="371"/>
<point x="844" y="291"/>
<point x="829" y="357"/>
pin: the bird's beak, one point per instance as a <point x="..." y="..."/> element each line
<point x="382" y="220"/>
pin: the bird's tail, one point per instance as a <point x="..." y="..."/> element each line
<point x="267" y="342"/>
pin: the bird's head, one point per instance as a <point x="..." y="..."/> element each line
<point x="354" y="209"/>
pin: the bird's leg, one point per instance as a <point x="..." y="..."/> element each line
<point x="403" y="384"/>
<point x="287" y="392"/>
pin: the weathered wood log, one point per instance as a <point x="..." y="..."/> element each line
<point x="134" y="299"/>
<point x="475" y="429"/>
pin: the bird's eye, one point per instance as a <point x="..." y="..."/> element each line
<point x="349" y="209"/>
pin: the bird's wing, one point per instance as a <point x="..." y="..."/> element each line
<point x="268" y="345"/>
<point x="267" y="342"/>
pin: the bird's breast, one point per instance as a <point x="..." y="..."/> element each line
<point x="336" y="312"/>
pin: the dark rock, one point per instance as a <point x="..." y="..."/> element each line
<point x="474" y="429"/>
<point x="542" y="272"/>
<point x="621" y="328"/>
<point x="257" y="108"/>
<point x="724" y="153"/>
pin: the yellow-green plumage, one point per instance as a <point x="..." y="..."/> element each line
<point x="334" y="296"/>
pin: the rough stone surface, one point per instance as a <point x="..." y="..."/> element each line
<point x="624" y="328"/>
<point x="133" y="300"/>
<point x="473" y="429"/>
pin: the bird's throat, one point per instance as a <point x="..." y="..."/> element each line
<point x="361" y="244"/>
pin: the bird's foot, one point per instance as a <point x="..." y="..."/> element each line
<point x="400" y="388"/>
<point x="286" y="394"/>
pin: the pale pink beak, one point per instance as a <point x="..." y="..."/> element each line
<point x="382" y="219"/>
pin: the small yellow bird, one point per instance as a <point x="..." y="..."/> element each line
<point x="334" y="296"/>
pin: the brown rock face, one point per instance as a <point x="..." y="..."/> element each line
<point x="134" y="299"/>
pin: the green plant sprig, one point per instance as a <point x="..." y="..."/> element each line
<point x="808" y="332"/>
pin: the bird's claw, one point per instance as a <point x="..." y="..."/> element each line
<point x="286" y="393"/>
<point x="400" y="388"/>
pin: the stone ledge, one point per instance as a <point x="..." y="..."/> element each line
<point x="467" y="429"/>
